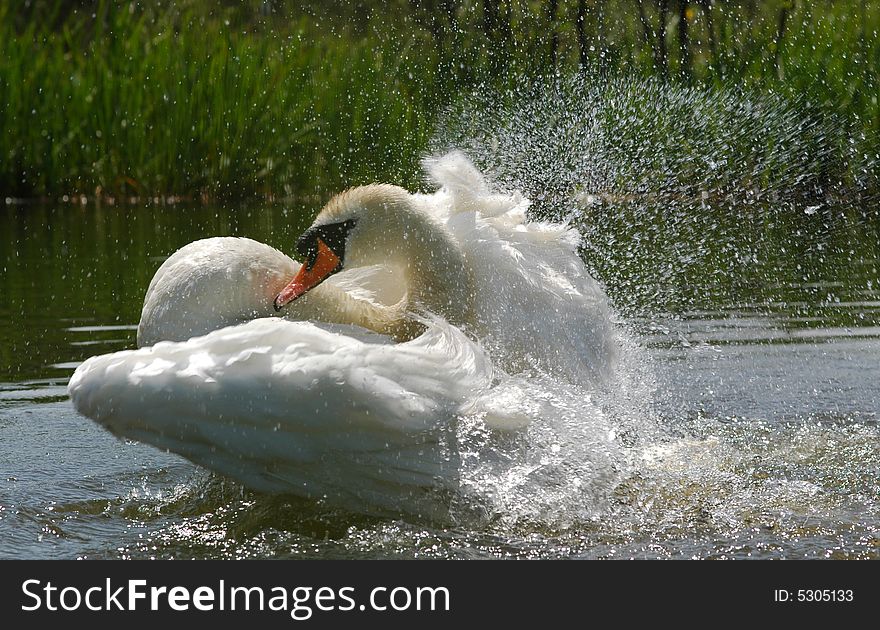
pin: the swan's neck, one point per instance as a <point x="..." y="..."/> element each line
<point x="332" y="304"/>
<point x="435" y="272"/>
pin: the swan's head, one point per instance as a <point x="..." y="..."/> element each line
<point x="361" y="226"/>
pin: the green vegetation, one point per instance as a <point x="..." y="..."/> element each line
<point x="267" y="98"/>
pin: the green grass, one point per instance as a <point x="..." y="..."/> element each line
<point x="222" y="102"/>
<point x="139" y="106"/>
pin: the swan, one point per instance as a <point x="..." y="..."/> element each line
<point x="343" y="378"/>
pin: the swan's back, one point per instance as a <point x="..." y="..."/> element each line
<point x="209" y="284"/>
<point x="217" y="282"/>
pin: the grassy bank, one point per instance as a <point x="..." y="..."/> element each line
<point x="159" y="102"/>
<point x="267" y="98"/>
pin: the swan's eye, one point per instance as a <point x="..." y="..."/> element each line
<point x="307" y="248"/>
<point x="334" y="236"/>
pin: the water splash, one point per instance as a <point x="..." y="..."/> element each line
<point x="668" y="184"/>
<point x="680" y="191"/>
<point x="581" y="139"/>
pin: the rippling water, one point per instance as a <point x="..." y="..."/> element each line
<point x="759" y="435"/>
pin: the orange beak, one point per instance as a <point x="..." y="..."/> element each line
<point x="326" y="262"/>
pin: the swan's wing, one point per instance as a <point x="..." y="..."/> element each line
<point x="463" y="188"/>
<point x="535" y="302"/>
<point x="318" y="411"/>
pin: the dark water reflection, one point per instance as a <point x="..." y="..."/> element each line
<point x="74" y="276"/>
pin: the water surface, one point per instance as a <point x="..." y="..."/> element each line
<point x="760" y="439"/>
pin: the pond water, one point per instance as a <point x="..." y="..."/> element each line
<point x="763" y="352"/>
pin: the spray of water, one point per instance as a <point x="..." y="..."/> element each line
<point x="701" y="181"/>
<point x="679" y="191"/>
<point x="578" y="139"/>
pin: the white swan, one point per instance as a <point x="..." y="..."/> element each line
<point x="405" y="294"/>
